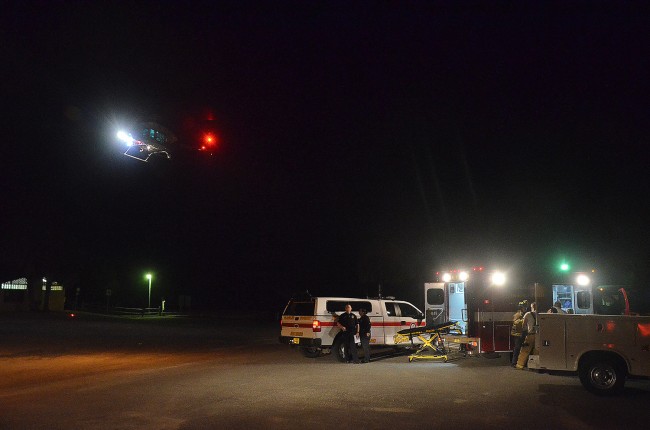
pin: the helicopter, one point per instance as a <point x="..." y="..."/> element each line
<point x="146" y="140"/>
<point x="150" y="139"/>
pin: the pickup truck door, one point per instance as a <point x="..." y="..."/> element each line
<point x="391" y="322"/>
<point x="399" y="316"/>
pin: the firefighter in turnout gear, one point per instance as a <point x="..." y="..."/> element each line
<point x="528" y="333"/>
<point x="516" y="331"/>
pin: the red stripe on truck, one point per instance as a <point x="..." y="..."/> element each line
<point x="374" y="324"/>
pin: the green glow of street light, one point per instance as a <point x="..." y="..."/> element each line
<point x="148" y="276"/>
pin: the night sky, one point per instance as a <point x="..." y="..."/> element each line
<point x="362" y="143"/>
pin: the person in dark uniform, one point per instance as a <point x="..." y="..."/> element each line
<point x="364" y="333"/>
<point x="349" y="325"/>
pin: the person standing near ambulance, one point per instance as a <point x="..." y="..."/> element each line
<point x="516" y="331"/>
<point x="528" y="332"/>
<point x="364" y="333"/>
<point x="349" y="325"/>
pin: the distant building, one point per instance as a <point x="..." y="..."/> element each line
<point x="17" y="296"/>
<point x="56" y="300"/>
<point x="14" y="295"/>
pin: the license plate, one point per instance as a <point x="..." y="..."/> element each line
<point x="296" y="340"/>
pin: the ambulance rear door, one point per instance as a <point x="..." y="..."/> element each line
<point x="456" y="304"/>
<point x="435" y="303"/>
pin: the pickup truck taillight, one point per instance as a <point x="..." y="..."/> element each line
<point x="315" y="325"/>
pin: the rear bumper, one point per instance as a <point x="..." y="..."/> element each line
<point x="301" y="341"/>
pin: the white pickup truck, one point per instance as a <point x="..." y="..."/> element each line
<point x="310" y="323"/>
<point x="604" y="349"/>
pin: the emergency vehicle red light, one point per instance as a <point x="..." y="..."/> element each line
<point x="316" y="325"/>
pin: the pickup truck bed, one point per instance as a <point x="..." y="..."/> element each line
<point x="604" y="349"/>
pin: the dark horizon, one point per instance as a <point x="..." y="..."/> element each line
<point x="361" y="144"/>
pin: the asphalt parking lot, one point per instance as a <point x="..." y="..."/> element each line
<point x="108" y="373"/>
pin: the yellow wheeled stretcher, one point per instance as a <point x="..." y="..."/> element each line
<point x="433" y="344"/>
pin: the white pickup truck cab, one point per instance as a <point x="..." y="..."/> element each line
<point x="603" y="349"/>
<point x="310" y="323"/>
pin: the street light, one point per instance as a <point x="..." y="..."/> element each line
<point x="149" y="278"/>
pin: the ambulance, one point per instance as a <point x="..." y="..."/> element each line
<point x="310" y="323"/>
<point x="484" y="302"/>
<point x="481" y="301"/>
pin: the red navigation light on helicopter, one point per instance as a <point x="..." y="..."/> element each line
<point x="209" y="142"/>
